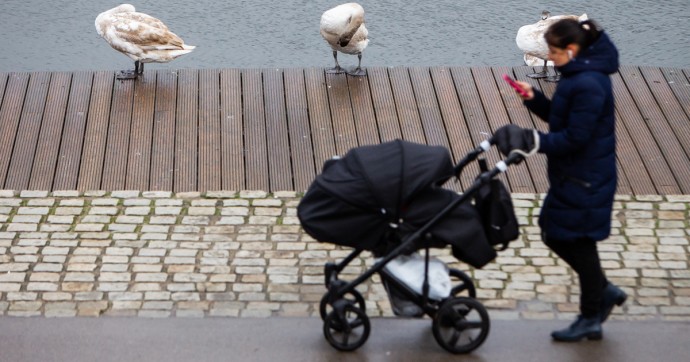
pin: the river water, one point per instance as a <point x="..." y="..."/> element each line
<point x="39" y="35"/>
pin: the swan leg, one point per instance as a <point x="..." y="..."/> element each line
<point x="358" y="71"/>
<point x="337" y="69"/>
<point x="543" y="74"/>
<point x="128" y="74"/>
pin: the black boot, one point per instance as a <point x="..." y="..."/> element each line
<point x="611" y="296"/>
<point x="581" y="328"/>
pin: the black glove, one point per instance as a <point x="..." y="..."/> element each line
<point x="511" y="137"/>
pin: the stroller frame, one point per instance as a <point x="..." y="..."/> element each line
<point x="453" y="317"/>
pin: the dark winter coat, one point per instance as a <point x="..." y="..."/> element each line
<point x="580" y="145"/>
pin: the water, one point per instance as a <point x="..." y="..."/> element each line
<point x="39" y="35"/>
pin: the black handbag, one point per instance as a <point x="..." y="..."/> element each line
<point x="495" y="207"/>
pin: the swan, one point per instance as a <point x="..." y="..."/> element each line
<point x="344" y="30"/>
<point x="530" y="39"/>
<point x="139" y="36"/>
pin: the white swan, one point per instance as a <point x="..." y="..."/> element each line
<point x="141" y="37"/>
<point x="344" y="30"/>
<point x="530" y="39"/>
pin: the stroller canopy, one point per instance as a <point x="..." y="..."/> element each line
<point x="383" y="177"/>
<point x="378" y="194"/>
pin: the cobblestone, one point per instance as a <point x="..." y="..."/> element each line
<point x="243" y="254"/>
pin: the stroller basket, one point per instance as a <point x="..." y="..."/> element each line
<point x="388" y="199"/>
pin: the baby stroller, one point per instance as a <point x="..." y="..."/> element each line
<point x="388" y="199"/>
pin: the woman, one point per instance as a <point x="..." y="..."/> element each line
<point x="580" y="148"/>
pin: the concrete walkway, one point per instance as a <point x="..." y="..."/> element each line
<point x="300" y="339"/>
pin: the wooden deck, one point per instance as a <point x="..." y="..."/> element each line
<point x="271" y="129"/>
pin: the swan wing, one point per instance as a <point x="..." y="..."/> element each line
<point x="530" y="39"/>
<point x="144" y="31"/>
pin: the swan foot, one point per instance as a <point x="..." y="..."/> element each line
<point x="538" y="75"/>
<point x="357" y="72"/>
<point x="553" y="78"/>
<point x="335" y="70"/>
<point x="127" y="74"/>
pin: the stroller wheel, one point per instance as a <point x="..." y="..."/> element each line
<point x="354" y="297"/>
<point x="348" y="331"/>
<point x="467" y="284"/>
<point x="461" y="325"/>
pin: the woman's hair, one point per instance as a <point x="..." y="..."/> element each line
<point x="568" y="31"/>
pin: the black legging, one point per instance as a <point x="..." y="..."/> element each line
<point x="583" y="257"/>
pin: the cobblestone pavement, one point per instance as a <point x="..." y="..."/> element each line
<point x="243" y="254"/>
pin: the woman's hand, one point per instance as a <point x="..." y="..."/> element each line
<point x="527" y="88"/>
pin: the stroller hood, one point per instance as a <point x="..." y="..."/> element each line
<point x="379" y="194"/>
<point x="381" y="178"/>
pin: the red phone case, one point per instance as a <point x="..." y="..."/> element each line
<point x="514" y="85"/>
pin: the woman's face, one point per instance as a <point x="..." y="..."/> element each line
<point x="559" y="56"/>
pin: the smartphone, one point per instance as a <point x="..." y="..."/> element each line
<point x="514" y="85"/>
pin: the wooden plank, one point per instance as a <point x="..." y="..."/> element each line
<point x="117" y="143"/>
<point x="301" y="151"/>
<point x="408" y="114"/>
<point x="209" y="131"/>
<point x="186" y="131"/>
<point x="341" y="113"/>
<point x="69" y="155"/>
<point x="231" y="136"/>
<point x="487" y="84"/>
<point x="623" y="185"/>
<point x="163" y="137"/>
<point x="95" y="136"/>
<point x="453" y="119"/>
<point x="644" y="143"/>
<point x="384" y="104"/>
<point x="680" y="85"/>
<point x="631" y="164"/>
<point x="319" y="116"/>
<point x="139" y="155"/>
<point x="363" y="111"/>
<point x="547" y="87"/>
<point x="468" y="95"/>
<point x="521" y="74"/>
<point x="522" y="116"/>
<point x="671" y="108"/>
<point x="255" y="130"/>
<point x="660" y="129"/>
<point x="10" y="113"/>
<point x="19" y="170"/>
<point x="280" y="170"/>
<point x="49" y="138"/>
<point x="3" y="83"/>
<point x="477" y="123"/>
<point x="428" y="108"/>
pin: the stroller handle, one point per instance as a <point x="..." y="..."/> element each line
<point x="484" y="146"/>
